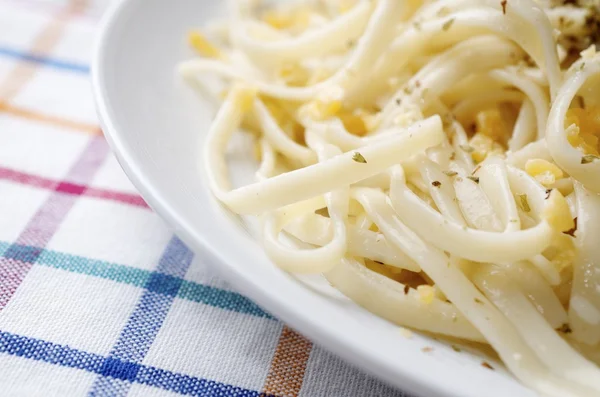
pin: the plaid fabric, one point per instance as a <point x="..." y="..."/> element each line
<point x="97" y="297"/>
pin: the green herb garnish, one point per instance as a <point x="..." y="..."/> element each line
<point x="523" y="203"/>
<point x="447" y="24"/>
<point x="359" y="158"/>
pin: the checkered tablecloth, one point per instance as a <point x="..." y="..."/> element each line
<point x="97" y="297"/>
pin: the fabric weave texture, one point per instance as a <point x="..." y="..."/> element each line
<point x="97" y="296"/>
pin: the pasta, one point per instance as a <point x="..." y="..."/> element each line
<point x="438" y="161"/>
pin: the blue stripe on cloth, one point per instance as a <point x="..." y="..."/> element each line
<point x="44" y="60"/>
<point x="39" y="350"/>
<point x="144" y="323"/>
<point x="49" y="352"/>
<point x="188" y="385"/>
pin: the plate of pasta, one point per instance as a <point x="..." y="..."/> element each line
<point x="413" y="184"/>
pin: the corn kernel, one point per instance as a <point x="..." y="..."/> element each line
<point x="372" y="121"/>
<point x="359" y="121"/>
<point x="426" y="293"/>
<point x="302" y="18"/>
<point x="246" y="101"/>
<point x="203" y="46"/>
<point x="243" y="95"/>
<point x="489" y="123"/>
<point x="484" y="146"/>
<point x="329" y="109"/>
<point x="406" y="333"/>
<point x="299" y="18"/>
<point x="346" y="5"/>
<point x="278" y="19"/>
<point x="589" y="52"/>
<point x="564" y="251"/>
<point x="321" y="110"/>
<point x="293" y="74"/>
<point x="275" y="110"/>
<point x="354" y="124"/>
<point x="319" y="75"/>
<point x="544" y="171"/>
<point x="583" y="129"/>
<point x="556" y="212"/>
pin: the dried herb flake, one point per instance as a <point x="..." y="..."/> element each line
<point x="447" y="24"/>
<point x="523" y="203"/>
<point x="571" y="232"/>
<point x="589" y="158"/>
<point x="359" y="158"/>
<point x="565" y="328"/>
<point x="486" y="365"/>
<point x="467" y="148"/>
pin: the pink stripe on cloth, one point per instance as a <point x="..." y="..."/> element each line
<point x="71" y="188"/>
<point x="46" y="221"/>
<point x="89" y="162"/>
<point x="131" y="199"/>
<point x="17" y="261"/>
<point x="11" y="275"/>
<point x="26" y="179"/>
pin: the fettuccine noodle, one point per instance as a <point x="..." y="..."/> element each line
<point x="438" y="161"/>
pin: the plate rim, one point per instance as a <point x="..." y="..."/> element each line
<point x="404" y="378"/>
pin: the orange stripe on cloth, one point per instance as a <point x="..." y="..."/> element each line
<point x="286" y="373"/>
<point x="48" y="119"/>
<point x="42" y="44"/>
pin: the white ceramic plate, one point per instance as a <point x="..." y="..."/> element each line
<point x="155" y="125"/>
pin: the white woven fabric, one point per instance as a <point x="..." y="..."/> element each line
<point x="97" y="297"/>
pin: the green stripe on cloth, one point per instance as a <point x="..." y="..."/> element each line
<point x="91" y="267"/>
<point x="3" y="247"/>
<point x="219" y="298"/>
<point x="192" y="291"/>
